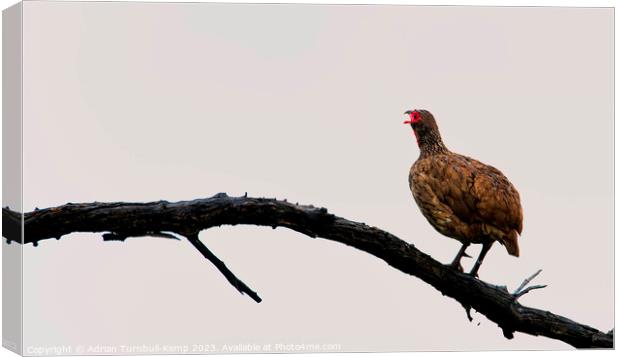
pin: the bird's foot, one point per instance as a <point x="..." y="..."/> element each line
<point x="456" y="266"/>
<point x="456" y="262"/>
<point x="485" y="249"/>
<point x="474" y="273"/>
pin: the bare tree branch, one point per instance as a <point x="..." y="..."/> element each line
<point x="526" y="281"/>
<point x="232" y="279"/>
<point x="189" y="217"/>
<point x="522" y="290"/>
<point x="527" y="290"/>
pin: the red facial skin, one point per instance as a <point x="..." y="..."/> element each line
<point x="414" y="117"/>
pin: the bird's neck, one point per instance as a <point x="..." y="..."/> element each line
<point x="430" y="143"/>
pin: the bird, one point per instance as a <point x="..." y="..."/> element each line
<point x="462" y="198"/>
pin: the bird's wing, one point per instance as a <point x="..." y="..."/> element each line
<point x="475" y="192"/>
<point x="499" y="203"/>
<point x="430" y="196"/>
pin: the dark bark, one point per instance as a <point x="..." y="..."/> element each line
<point x="123" y="220"/>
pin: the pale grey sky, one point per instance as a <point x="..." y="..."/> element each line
<point x="141" y="102"/>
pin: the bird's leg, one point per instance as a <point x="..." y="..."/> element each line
<point x="456" y="263"/>
<point x="485" y="249"/>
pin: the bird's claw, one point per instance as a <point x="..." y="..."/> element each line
<point x="456" y="266"/>
<point x="474" y="272"/>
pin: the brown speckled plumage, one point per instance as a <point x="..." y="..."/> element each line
<point x="460" y="197"/>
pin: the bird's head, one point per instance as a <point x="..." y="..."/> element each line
<point x="420" y="118"/>
<point x="424" y="126"/>
<point x="421" y="121"/>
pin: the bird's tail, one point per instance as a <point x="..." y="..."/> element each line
<point x="510" y="241"/>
